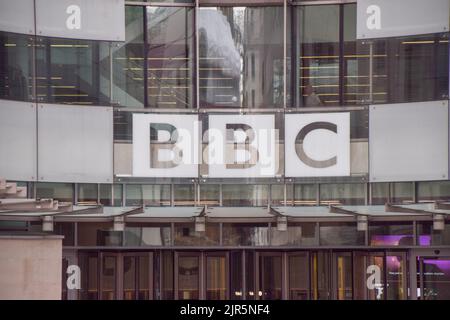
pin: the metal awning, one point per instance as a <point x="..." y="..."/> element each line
<point x="240" y="214"/>
<point x="162" y="214"/>
<point x="312" y="213"/>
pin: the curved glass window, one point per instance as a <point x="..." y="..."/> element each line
<point x="16" y="67"/>
<point x="128" y="61"/>
<point x="170" y="57"/>
<point x="241" y="57"/>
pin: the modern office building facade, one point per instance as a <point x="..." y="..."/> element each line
<point x="220" y="149"/>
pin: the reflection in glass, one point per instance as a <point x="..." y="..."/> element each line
<point x="318" y="54"/>
<point x="147" y="235"/>
<point x="188" y="277"/>
<point x="156" y="195"/>
<point x="16" y="67"/>
<point x="170" y="57"/>
<point x="391" y="234"/>
<point x="243" y="234"/>
<point x="241" y="56"/>
<point x="128" y="61"/>
<point x="340" y="234"/>
<point x="185" y="235"/>
<point x="133" y="195"/>
<point x="297" y="234"/>
<point x="245" y="195"/>
<point x="98" y="234"/>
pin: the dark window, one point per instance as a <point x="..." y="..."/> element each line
<point x="16" y="66"/>
<point x="73" y="71"/>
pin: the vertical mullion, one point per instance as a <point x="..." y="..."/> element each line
<point x="146" y="44"/>
<point x="341" y="55"/>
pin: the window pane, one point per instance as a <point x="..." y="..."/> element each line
<point x="402" y="192"/>
<point x="297" y="234"/>
<point x="298" y="277"/>
<point x="277" y="194"/>
<point x="415" y="67"/>
<point x="209" y="194"/>
<point x="147" y="235"/>
<point x="98" y="234"/>
<point x="73" y="71"/>
<point x="170" y="57"/>
<point x="185" y="235"/>
<point x="318" y="52"/>
<point x="184" y="195"/>
<point x="344" y="193"/>
<point x="305" y="194"/>
<point x="428" y="236"/>
<point x="128" y="62"/>
<point x="87" y="193"/>
<point x="15" y="67"/>
<point x="156" y="195"/>
<point x="67" y="230"/>
<point x="245" y="195"/>
<point x="57" y="191"/>
<point x="188" y="278"/>
<point x="379" y="193"/>
<point x="241" y="56"/>
<point x="391" y="234"/>
<point x="341" y="234"/>
<point x="433" y="191"/>
<point x="245" y="234"/>
<point x="133" y="195"/>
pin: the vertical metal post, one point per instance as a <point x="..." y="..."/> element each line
<point x="284" y="52"/>
<point x="370" y="71"/>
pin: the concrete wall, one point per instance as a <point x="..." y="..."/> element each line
<point x="30" y="267"/>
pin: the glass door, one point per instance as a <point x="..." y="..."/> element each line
<point x="187" y="276"/>
<point x="216" y="272"/>
<point x="434" y="278"/>
<point x="270" y="276"/>
<point x="108" y="276"/>
<point x="343" y="275"/>
<point x="137" y="271"/>
<point x="298" y="276"/>
<point x="369" y="275"/>
<point x="320" y="275"/>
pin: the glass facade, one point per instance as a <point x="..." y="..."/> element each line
<point x="229" y="58"/>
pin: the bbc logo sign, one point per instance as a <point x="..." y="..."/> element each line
<point x="236" y="146"/>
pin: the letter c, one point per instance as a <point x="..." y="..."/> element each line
<point x="319" y="164"/>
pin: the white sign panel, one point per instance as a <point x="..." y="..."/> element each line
<point x="81" y="19"/>
<point x="317" y="145"/>
<point x="242" y="146"/>
<point x="393" y="18"/>
<point x="165" y="145"/>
